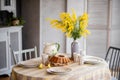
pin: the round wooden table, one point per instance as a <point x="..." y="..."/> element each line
<point x="98" y="71"/>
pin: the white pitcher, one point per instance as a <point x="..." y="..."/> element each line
<point x="51" y="48"/>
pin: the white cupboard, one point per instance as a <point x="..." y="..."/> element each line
<point x="10" y="37"/>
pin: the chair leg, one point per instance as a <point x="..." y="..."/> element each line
<point x="119" y="77"/>
<point x="10" y="76"/>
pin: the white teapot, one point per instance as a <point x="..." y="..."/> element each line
<point x="51" y="48"/>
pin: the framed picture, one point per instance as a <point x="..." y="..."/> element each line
<point x="7" y="2"/>
<point x="8" y="5"/>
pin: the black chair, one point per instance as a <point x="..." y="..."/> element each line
<point x="113" y="58"/>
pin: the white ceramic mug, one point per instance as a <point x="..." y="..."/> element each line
<point x="75" y="56"/>
<point x="44" y="58"/>
<point x="82" y="52"/>
<point x="80" y="60"/>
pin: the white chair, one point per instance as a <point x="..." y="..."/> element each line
<point x="25" y="54"/>
<point x="112" y="78"/>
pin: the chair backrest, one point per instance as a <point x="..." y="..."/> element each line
<point x="113" y="58"/>
<point x="24" y="54"/>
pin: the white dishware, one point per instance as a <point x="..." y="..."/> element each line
<point x="51" y="48"/>
<point x="82" y="52"/>
<point x="75" y="56"/>
<point x="44" y="58"/>
<point x="80" y="60"/>
<point x="28" y="64"/>
<point x="59" y="70"/>
<point x="92" y="60"/>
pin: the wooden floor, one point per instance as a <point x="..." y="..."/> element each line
<point x="4" y="77"/>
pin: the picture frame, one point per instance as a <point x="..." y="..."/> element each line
<point x="8" y="5"/>
<point x="7" y="2"/>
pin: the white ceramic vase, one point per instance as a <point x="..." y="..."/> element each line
<point x="75" y="48"/>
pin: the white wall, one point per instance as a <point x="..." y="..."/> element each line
<point x="51" y="9"/>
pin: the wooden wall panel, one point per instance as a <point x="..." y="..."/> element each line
<point x="98" y="13"/>
<point x="115" y="14"/>
<point x="115" y="39"/>
<point x="115" y="27"/>
<point x="97" y="42"/>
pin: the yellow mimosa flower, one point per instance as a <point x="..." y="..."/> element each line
<point x="74" y="18"/>
<point x="63" y="30"/>
<point x="87" y="32"/>
<point x="84" y="17"/>
<point x="41" y="66"/>
<point x="53" y="21"/>
<point x="49" y="65"/>
<point x="68" y="34"/>
<point x="72" y="26"/>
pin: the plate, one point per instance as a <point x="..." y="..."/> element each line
<point x="92" y="60"/>
<point x="28" y="64"/>
<point x="59" y="70"/>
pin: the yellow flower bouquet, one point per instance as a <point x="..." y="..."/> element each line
<point x="73" y="26"/>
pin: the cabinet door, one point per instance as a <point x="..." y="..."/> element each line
<point x="3" y="52"/>
<point x="14" y="43"/>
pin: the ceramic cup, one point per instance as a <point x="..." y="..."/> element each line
<point x="80" y="59"/>
<point x="75" y="56"/>
<point x="82" y="52"/>
<point x="44" y="58"/>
